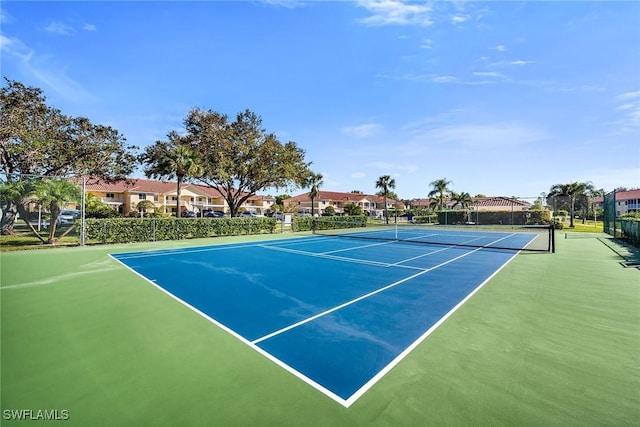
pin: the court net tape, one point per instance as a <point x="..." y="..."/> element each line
<point x="536" y="238"/>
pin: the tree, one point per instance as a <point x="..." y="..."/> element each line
<point x="96" y="208"/>
<point x="352" y="209"/>
<point x="172" y="159"/>
<point x="240" y="158"/>
<point x="463" y="199"/>
<point x="54" y="194"/>
<point x="439" y="192"/>
<point x="38" y="140"/>
<point x="574" y="191"/>
<point x="315" y="181"/>
<point x="145" y="206"/>
<point x="390" y="194"/>
<point x="385" y="182"/>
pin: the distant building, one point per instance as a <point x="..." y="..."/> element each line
<point x="371" y="204"/>
<point x="496" y="203"/>
<point x="124" y="196"/>
<point x="626" y="202"/>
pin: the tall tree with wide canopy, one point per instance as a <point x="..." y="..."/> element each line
<point x="440" y="191"/>
<point x="385" y="183"/>
<point x="240" y="158"/>
<point x="38" y="140"/>
<point x="172" y="159"/>
<point x="315" y="182"/>
<point x="574" y="191"/>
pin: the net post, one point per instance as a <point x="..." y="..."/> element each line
<point x="552" y="238"/>
<point x="314" y="225"/>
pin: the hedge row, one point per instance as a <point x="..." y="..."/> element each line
<point x="338" y="222"/>
<point x="495" y="217"/>
<point x="129" y="230"/>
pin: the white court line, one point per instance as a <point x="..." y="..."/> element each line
<point x="353" y="301"/>
<point x="253" y="344"/>
<point x="221" y="247"/>
<point x="338" y="258"/>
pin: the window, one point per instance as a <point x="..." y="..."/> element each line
<point x="142" y="196"/>
<point x="111" y="196"/>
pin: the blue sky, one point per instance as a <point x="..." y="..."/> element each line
<point x="501" y="98"/>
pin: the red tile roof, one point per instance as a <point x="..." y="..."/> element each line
<point x="141" y="185"/>
<point x="346" y="197"/>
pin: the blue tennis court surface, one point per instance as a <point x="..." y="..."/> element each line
<point x="338" y="313"/>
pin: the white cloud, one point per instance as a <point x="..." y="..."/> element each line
<point x="394" y="168"/>
<point x="459" y="19"/>
<point x="362" y="131"/>
<point x="358" y="175"/>
<point x="89" y="27"/>
<point x="520" y="62"/>
<point x="60" y="28"/>
<point x="395" y="12"/>
<point x="499" y="48"/>
<point x="427" y="44"/>
<point x="444" y="79"/>
<point x="43" y="68"/>
<point x="480" y="136"/>
<point x="488" y="74"/>
<point x="630" y="110"/>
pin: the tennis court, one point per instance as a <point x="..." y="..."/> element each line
<point x="338" y="313"/>
<point x="549" y="340"/>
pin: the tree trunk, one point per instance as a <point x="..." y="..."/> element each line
<point x="25" y="217"/>
<point x="179" y="191"/>
<point x="8" y="218"/>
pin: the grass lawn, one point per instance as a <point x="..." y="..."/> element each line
<point x="552" y="339"/>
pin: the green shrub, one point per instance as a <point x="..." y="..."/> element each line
<point x="128" y="230"/>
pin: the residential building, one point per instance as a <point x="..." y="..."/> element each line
<point x="626" y="202"/>
<point x="496" y="203"/>
<point x="371" y="204"/>
<point x="124" y="196"/>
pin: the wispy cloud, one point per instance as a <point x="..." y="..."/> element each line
<point x="362" y="131"/>
<point x="480" y="136"/>
<point x="492" y="74"/>
<point x="395" y="169"/>
<point x="629" y="108"/>
<point x="60" y="28"/>
<point x="44" y="69"/>
<point x="63" y="29"/>
<point x="395" y="12"/>
<point x="520" y="62"/>
<point x="459" y="19"/>
<point x="358" y="175"/>
<point x="289" y="4"/>
<point x="499" y="48"/>
<point x="427" y="44"/>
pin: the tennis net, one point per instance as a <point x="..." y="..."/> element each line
<point x="537" y="238"/>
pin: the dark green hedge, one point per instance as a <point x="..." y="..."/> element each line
<point x="128" y="230"/>
<point x="495" y="217"/>
<point x="338" y="222"/>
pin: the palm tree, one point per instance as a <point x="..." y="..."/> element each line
<point x="315" y="182"/>
<point x="463" y="199"/>
<point x="19" y="193"/>
<point x="440" y="191"/>
<point x="573" y="190"/>
<point x="172" y="160"/>
<point x="385" y="183"/>
<point x="55" y="194"/>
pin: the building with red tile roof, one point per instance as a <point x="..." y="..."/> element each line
<point x="371" y="204"/>
<point x="124" y="196"/>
